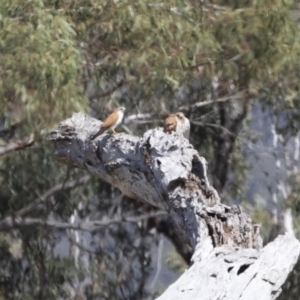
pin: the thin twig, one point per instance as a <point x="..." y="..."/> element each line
<point x="10" y="222"/>
<point x="101" y="94"/>
<point x="59" y="187"/>
<point x="204" y="124"/>
<point x="221" y="99"/>
<point x="137" y="117"/>
<point x="214" y="6"/>
<point x="17" y="144"/>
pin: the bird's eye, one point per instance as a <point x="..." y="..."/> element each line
<point x="180" y="117"/>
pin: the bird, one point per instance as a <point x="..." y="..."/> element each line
<point x="179" y="123"/>
<point x="111" y="122"/>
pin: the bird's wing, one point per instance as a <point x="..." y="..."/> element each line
<point x="110" y="121"/>
<point x="170" y="124"/>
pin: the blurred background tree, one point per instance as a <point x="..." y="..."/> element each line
<point x="231" y="66"/>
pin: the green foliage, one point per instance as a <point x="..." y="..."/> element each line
<point x="293" y="201"/>
<point x="39" y="64"/>
<point x="260" y="215"/>
<point x="49" y="47"/>
<point x="52" y="53"/>
<point x="176" y="262"/>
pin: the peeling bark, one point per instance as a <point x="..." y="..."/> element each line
<point x="231" y="274"/>
<point x="165" y="170"/>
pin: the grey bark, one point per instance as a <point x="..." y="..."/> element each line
<point x="165" y="170"/>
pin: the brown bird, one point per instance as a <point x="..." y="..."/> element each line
<point x="111" y="122"/>
<point x="179" y="123"/>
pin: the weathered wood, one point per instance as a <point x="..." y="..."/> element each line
<point x="167" y="172"/>
<point x="232" y="273"/>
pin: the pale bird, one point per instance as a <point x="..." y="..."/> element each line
<point x="179" y="123"/>
<point x="111" y="122"/>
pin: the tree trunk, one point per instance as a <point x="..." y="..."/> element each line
<point x="166" y="171"/>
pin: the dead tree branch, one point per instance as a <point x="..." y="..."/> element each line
<point x="17" y="144"/>
<point x="59" y="187"/>
<point x="10" y="222"/>
<point x="165" y="171"/>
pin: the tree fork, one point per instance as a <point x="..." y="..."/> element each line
<point x="165" y="171"/>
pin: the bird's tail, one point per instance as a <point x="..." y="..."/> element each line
<point x="98" y="133"/>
